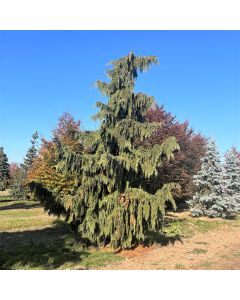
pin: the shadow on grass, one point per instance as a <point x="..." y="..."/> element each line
<point x="7" y="200"/>
<point x="156" y="238"/>
<point x="47" y="249"/>
<point x="173" y="231"/>
<point x="20" y="206"/>
<point x="29" y="237"/>
<point x="161" y="239"/>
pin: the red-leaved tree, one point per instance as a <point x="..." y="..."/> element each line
<point x="186" y="162"/>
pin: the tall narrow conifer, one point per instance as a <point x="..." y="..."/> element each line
<point x="109" y="203"/>
<point x="4" y="169"/>
<point x="31" y="153"/>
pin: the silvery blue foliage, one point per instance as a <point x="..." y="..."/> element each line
<point x="212" y="198"/>
<point x="232" y="177"/>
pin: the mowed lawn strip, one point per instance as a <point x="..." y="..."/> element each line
<point x="31" y="239"/>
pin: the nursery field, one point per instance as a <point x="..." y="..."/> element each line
<point x="31" y="239"/>
<point x="117" y="183"/>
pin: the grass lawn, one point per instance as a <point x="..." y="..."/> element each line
<point x="31" y="239"/>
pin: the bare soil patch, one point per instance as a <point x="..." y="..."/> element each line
<point x="213" y="249"/>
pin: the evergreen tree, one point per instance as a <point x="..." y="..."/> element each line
<point x="232" y="177"/>
<point x="109" y="203"/>
<point x="31" y="153"/>
<point x="186" y="162"/>
<point x="4" y="170"/>
<point x="210" y="199"/>
<point x="18" y="186"/>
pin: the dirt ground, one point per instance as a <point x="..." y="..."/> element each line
<point x="218" y="249"/>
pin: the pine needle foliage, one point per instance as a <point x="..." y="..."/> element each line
<point x="186" y="162"/>
<point x="19" y="186"/>
<point x="31" y="153"/>
<point x="232" y="177"/>
<point x="212" y="198"/>
<point x="109" y="204"/>
<point x="4" y="170"/>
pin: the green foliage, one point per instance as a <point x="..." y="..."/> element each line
<point x="4" y="170"/>
<point x="18" y="186"/>
<point x="19" y="173"/>
<point x="187" y="227"/>
<point x="108" y="203"/>
<point x="31" y="153"/>
<point x="186" y="162"/>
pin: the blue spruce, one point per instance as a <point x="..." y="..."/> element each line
<point x="211" y="198"/>
<point x="232" y="178"/>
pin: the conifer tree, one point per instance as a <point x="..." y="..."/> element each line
<point x="210" y="199"/>
<point x="186" y="162"/>
<point x="19" y="187"/>
<point x="4" y="170"/>
<point x="31" y="153"/>
<point x="232" y="177"/>
<point x="109" y="203"/>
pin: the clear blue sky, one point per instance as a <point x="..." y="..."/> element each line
<point x="45" y="73"/>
